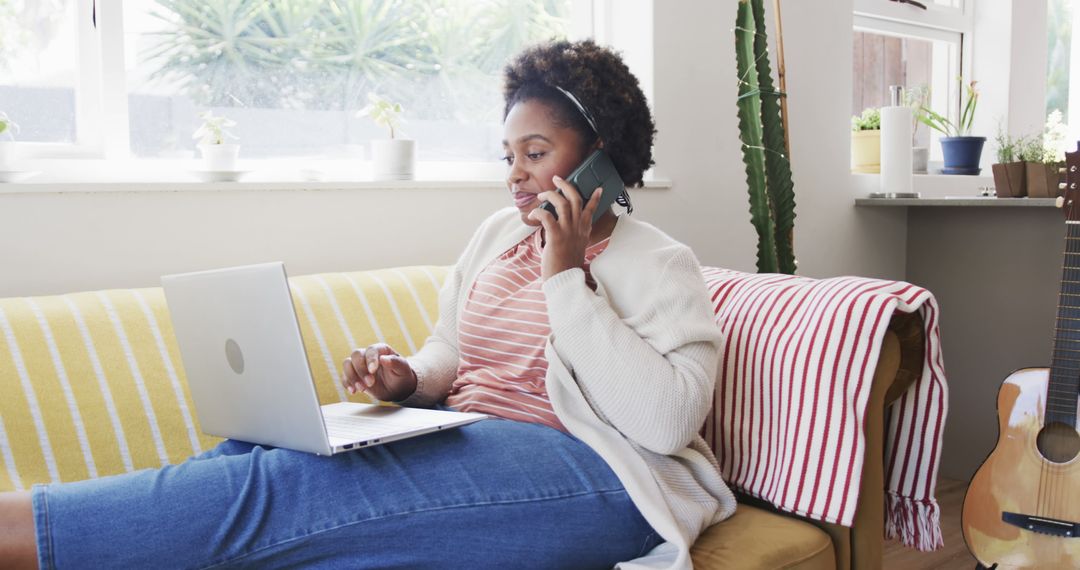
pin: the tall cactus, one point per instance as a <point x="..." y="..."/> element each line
<point x="768" y="170"/>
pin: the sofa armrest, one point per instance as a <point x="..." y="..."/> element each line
<point x="899" y="365"/>
<point x="908" y="328"/>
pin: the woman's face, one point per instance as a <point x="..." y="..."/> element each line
<point x="537" y="148"/>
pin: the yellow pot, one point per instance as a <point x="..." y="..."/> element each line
<point x="866" y="152"/>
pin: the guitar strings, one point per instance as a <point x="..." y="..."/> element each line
<point x="1071" y="237"/>
<point x="1069" y="273"/>
<point x="1056" y="443"/>
<point x="1042" y="496"/>
<point x="1044" y="487"/>
<point x="1053" y="490"/>
<point x="1045" y="490"/>
<point x="1061" y="439"/>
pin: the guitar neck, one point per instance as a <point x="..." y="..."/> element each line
<point x="1064" y="383"/>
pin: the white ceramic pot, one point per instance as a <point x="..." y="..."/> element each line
<point x="9" y="155"/>
<point x="393" y="159"/>
<point x="219" y="157"/>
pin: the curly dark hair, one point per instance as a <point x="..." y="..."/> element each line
<point x="603" y="84"/>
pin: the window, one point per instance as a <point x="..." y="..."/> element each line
<point x="924" y="50"/>
<point x="38" y="76"/>
<point x="922" y="61"/>
<point x="1059" y="24"/>
<point x="291" y="73"/>
<point x="294" y="74"/>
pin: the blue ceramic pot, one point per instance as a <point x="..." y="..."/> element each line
<point x="962" y="154"/>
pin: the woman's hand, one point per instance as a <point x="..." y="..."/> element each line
<point x="567" y="237"/>
<point x="379" y="371"/>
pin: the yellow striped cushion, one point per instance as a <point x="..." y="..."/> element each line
<point x="91" y="384"/>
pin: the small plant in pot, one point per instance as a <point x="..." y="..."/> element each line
<point x="866" y="142"/>
<point x="1010" y="179"/>
<point x="8" y="147"/>
<point x="1043" y="156"/>
<point x="962" y="152"/>
<point x="393" y="158"/>
<point x="218" y="155"/>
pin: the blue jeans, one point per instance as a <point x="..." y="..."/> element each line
<point x="494" y="494"/>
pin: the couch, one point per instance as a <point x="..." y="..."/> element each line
<point x="91" y="384"/>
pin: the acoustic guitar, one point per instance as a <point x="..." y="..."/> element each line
<point x="1022" y="508"/>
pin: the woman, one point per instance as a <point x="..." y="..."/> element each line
<point x="591" y="344"/>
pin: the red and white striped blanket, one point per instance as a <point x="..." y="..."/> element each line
<point x="792" y="388"/>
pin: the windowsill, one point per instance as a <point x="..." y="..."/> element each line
<point x="954" y="201"/>
<point x="944" y="190"/>
<point x="929" y="185"/>
<point x="179" y="175"/>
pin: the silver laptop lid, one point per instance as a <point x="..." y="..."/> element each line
<point x="244" y="356"/>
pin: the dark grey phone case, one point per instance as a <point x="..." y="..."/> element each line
<point x="596" y="172"/>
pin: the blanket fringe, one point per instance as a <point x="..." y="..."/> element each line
<point x="916" y="523"/>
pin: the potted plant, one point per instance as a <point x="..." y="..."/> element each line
<point x="218" y="155"/>
<point x="1043" y="156"/>
<point x="393" y="158"/>
<point x="763" y="132"/>
<point x="962" y="152"/>
<point x="866" y="142"/>
<point x="8" y="128"/>
<point x="917" y="98"/>
<point x="1010" y="180"/>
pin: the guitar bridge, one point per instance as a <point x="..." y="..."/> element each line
<point x="1043" y="525"/>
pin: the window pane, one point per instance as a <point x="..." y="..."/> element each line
<point x="294" y="73"/>
<point x="37" y="68"/>
<point x="883" y="60"/>
<point x="1059" y="44"/>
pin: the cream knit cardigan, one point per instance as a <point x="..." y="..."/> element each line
<point x="631" y="369"/>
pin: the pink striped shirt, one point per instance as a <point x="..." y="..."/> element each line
<point x="502" y="334"/>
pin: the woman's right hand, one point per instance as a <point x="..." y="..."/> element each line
<point x="380" y="372"/>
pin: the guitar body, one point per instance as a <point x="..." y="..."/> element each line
<point x="1017" y="478"/>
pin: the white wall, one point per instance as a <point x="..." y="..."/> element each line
<point x="1012" y="93"/>
<point x="53" y="242"/>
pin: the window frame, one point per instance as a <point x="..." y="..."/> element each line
<point x="951" y="98"/>
<point x="958" y="19"/>
<point x="937" y="23"/>
<point x="89" y="142"/>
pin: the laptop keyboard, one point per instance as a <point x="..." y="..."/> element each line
<point x="351" y="428"/>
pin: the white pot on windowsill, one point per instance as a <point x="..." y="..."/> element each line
<point x="393" y="159"/>
<point x="219" y="157"/>
<point x="9" y="155"/>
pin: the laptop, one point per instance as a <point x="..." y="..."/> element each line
<point x="248" y="372"/>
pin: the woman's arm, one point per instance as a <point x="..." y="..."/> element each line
<point x="435" y="364"/>
<point x="652" y="374"/>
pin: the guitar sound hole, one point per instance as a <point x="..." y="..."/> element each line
<point x="1058" y="442"/>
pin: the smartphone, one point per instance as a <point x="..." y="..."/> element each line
<point x="596" y="173"/>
